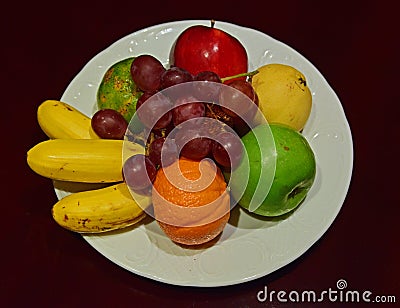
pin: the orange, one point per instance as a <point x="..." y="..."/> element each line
<point x="190" y="200"/>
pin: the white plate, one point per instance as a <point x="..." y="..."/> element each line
<point x="250" y="247"/>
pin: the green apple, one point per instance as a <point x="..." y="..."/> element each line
<point x="289" y="171"/>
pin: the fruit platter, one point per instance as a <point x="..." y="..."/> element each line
<point x="174" y="103"/>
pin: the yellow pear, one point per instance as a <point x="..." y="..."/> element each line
<point x="283" y="94"/>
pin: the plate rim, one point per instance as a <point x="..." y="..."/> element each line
<point x="347" y="129"/>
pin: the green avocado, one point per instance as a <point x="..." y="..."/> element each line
<point x="118" y="91"/>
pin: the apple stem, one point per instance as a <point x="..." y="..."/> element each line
<point x="212" y="23"/>
<point x="247" y="74"/>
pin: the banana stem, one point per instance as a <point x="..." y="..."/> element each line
<point x="247" y="74"/>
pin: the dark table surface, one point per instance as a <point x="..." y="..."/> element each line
<point x="354" y="44"/>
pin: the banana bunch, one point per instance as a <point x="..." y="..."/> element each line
<point x="74" y="153"/>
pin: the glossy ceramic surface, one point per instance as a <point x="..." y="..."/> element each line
<point x="250" y="246"/>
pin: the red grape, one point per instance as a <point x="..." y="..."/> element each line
<point x="144" y="97"/>
<point x="155" y="111"/>
<point x="227" y="150"/>
<point x="241" y="127"/>
<point x="109" y="124"/>
<point x="234" y="103"/>
<point x="186" y="111"/>
<point x="208" y="90"/>
<point x="173" y="76"/>
<point x="139" y="172"/>
<point x="207" y="76"/>
<point x="146" y="72"/>
<point x="163" y="151"/>
<point x="192" y="143"/>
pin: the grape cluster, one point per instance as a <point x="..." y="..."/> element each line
<point x="181" y="125"/>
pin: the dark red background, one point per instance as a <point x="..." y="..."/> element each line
<point x="355" y="45"/>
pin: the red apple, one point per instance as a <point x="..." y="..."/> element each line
<point x="201" y="48"/>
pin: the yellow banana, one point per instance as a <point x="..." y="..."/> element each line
<point x="100" y="210"/>
<point x="61" y="120"/>
<point x="81" y="160"/>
